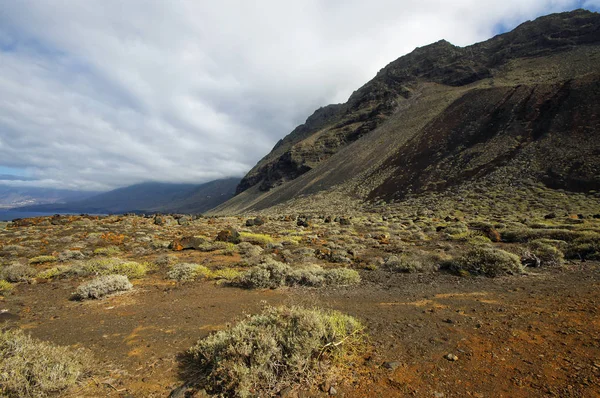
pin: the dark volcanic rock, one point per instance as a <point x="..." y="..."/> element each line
<point x="187" y="243"/>
<point x="229" y="235"/>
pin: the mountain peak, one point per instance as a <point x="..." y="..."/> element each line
<point x="531" y="62"/>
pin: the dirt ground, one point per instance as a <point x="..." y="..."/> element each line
<point x="517" y="336"/>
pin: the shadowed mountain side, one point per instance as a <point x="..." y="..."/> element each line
<point x="333" y="127"/>
<point x="534" y="118"/>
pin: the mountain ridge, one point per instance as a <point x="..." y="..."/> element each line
<point x="150" y="197"/>
<point x="548" y="51"/>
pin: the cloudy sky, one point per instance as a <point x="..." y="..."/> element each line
<point x="97" y="94"/>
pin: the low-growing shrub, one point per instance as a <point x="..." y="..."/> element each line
<point x="185" y="272"/>
<point x="70" y="255"/>
<point x="259" y="239"/>
<point x="403" y="263"/>
<point x="277" y="348"/>
<point x="486" y="261"/>
<point x="33" y="368"/>
<point x="586" y="248"/>
<point x="17" y="273"/>
<point x="341" y="277"/>
<point x="42" y="259"/>
<point x="227" y="274"/>
<point x="526" y="235"/>
<point x="546" y="253"/>
<point x="107" y="251"/>
<point x="270" y="274"/>
<point x="51" y="273"/>
<point x="111" y="266"/>
<point x="101" y="286"/>
<point x="273" y="274"/>
<point x="5" y="287"/>
<point x="130" y="269"/>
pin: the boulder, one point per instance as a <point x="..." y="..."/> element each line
<point x="229" y="235"/>
<point x="187" y="243"/>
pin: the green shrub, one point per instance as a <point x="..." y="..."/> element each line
<point x="273" y="274"/>
<point x="32" y="368"/>
<point x="277" y="348"/>
<point x="51" y="273"/>
<point x="70" y="255"/>
<point x="130" y="269"/>
<point x="17" y="273"/>
<point x="187" y="272"/>
<point x="526" y="235"/>
<point x="228" y="274"/>
<point x="486" y="261"/>
<point x="111" y="266"/>
<point x="258" y="239"/>
<point x="404" y="263"/>
<point x="101" y="286"/>
<point x="5" y="287"/>
<point x="311" y="275"/>
<point x="341" y="277"/>
<point x="270" y="274"/>
<point x="107" y="251"/>
<point x="42" y="259"/>
<point x="546" y="253"/>
<point x="585" y="248"/>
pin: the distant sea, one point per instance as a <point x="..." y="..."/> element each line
<point x="9" y="215"/>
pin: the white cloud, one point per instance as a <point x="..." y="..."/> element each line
<point x="103" y="94"/>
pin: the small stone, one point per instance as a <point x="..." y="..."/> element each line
<point x="451" y="357"/>
<point x="392" y="365"/>
<point x="332" y="390"/>
<point x="438" y="394"/>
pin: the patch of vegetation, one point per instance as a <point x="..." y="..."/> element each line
<point x="71" y="255"/>
<point x="107" y="251"/>
<point x="258" y="239"/>
<point x="17" y="273"/>
<point x="101" y="286"/>
<point x="584" y="248"/>
<point x="42" y="260"/>
<point x="548" y="254"/>
<point x="130" y="269"/>
<point x="404" y="263"/>
<point x="277" y="348"/>
<point x="525" y="235"/>
<point x="227" y="274"/>
<point x="273" y="274"/>
<point x="5" y="287"/>
<point x="33" y="368"/>
<point x="486" y="261"/>
<point x="110" y="266"/>
<point x="186" y="272"/>
<point x="51" y="273"/>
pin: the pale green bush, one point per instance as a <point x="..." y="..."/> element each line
<point x="277" y="348"/>
<point x="32" y="368"/>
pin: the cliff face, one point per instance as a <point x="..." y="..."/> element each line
<point x="444" y="114"/>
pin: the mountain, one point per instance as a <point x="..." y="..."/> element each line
<point x="523" y="106"/>
<point x="150" y="197"/>
<point x="11" y="196"/>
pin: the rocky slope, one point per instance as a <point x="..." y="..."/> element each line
<point x="520" y="107"/>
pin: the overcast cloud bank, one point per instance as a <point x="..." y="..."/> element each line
<point x="97" y="95"/>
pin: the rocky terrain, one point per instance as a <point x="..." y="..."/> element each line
<point x="454" y="301"/>
<point x="436" y="236"/>
<point x="520" y="106"/>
